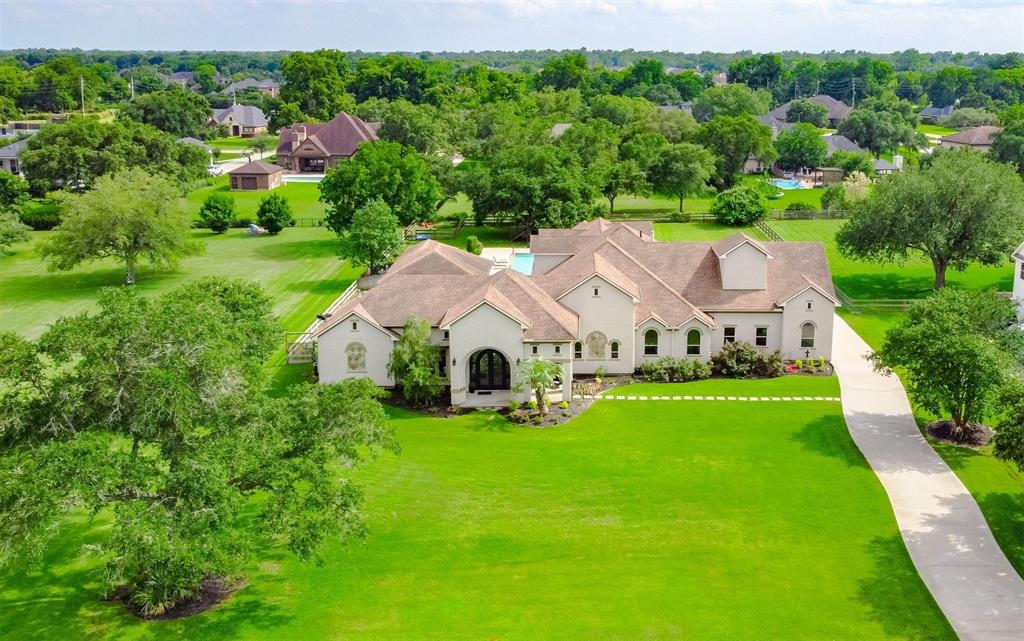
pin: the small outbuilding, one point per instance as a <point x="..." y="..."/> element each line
<point x="256" y="176"/>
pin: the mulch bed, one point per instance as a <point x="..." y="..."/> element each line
<point x="975" y="435"/>
<point x="213" y="591"/>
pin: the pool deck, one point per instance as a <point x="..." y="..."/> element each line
<point x="501" y="257"/>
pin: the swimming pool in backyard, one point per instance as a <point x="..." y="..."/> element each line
<point x="303" y="178"/>
<point x="523" y="263"/>
<point x="782" y="183"/>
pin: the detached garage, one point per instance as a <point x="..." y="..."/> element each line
<point x="256" y="176"/>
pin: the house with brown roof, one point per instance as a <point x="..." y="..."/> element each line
<point x="240" y="120"/>
<point x="837" y="109"/>
<point x="979" y="138"/>
<point x="601" y="295"/>
<point x="256" y="176"/>
<point x="316" y="147"/>
<point x="265" y="86"/>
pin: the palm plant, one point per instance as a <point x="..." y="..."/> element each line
<point x="538" y="375"/>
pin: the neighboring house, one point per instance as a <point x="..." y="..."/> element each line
<point x="18" y="127"/>
<point x="601" y="295"/>
<point x="241" y="120"/>
<point x="883" y="167"/>
<point x="9" y="161"/>
<point x="837" y="109"/>
<point x="189" y="140"/>
<point x="979" y="138"/>
<point x="184" y="78"/>
<point x="934" y="114"/>
<point x="720" y="79"/>
<point x="679" y="106"/>
<point x="256" y="176"/>
<point x="559" y="128"/>
<point x="839" y="142"/>
<point x="316" y="147"/>
<point x="1018" y="280"/>
<point x="776" y="124"/>
<point x="265" y="86"/>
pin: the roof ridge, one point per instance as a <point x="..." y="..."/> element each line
<point x="696" y="310"/>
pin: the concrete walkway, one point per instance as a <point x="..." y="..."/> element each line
<point x="944" y="531"/>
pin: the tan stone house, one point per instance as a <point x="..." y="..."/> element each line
<point x="316" y="147"/>
<point x="978" y="138"/>
<point x="256" y="176"/>
<point x="240" y="120"/>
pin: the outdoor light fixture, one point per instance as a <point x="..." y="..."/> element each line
<point x="453" y="361"/>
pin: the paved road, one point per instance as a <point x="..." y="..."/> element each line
<point x="944" y="531"/>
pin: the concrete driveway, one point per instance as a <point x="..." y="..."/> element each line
<point x="944" y="530"/>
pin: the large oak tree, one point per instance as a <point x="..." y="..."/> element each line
<point x="963" y="208"/>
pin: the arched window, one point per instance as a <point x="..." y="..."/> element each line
<point x="807" y="335"/>
<point x="693" y="342"/>
<point x="615" y="349"/>
<point x="577" y="350"/>
<point x="651" y="342"/>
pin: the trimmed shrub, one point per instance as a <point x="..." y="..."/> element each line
<point x="42" y="218"/>
<point x="218" y="212"/>
<point x="742" y="205"/>
<point x="473" y="245"/>
<point x="674" y="370"/>
<point x="274" y="214"/>
<point x="742" y="360"/>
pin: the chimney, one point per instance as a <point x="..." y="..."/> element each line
<point x="897" y="161"/>
<point x="298" y="136"/>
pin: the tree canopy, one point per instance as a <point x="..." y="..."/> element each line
<point x="963" y="208"/>
<point x="731" y="100"/>
<point x="682" y="169"/>
<point x="414" y="361"/>
<point x="372" y="238"/>
<point x="877" y="131"/>
<point x="154" y="410"/>
<point x="176" y="111"/>
<point x="1008" y="145"/>
<point x="801" y="146"/>
<point x="131" y="215"/>
<point x="317" y="82"/>
<point x="394" y="173"/>
<point x="733" y="139"/>
<point x="804" y="110"/>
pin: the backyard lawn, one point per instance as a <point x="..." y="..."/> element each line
<point x="304" y="198"/>
<point x="937" y="130"/>
<point x="657" y="520"/>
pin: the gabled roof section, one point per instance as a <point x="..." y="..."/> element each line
<point x="249" y="115"/>
<point x="340" y="136"/>
<point x="490" y="295"/>
<point x="837" y="109"/>
<point x="257" y="167"/>
<point x="352" y="308"/>
<point x="730" y="243"/>
<point x="1019" y="252"/>
<point x="976" y="136"/>
<point x="434" y="258"/>
<point x="801" y="286"/>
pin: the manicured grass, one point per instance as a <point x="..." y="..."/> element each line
<point x="935" y="129"/>
<point x="230" y="143"/>
<point x="998" y="487"/>
<point x="299" y="269"/>
<point x="679" y="232"/>
<point x="657" y="520"/>
<point x="303" y="197"/>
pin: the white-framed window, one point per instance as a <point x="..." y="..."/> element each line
<point x="577" y="350"/>
<point x="807" y="335"/>
<point x="651" y="342"/>
<point x="761" y="336"/>
<point x="693" y="342"/>
<point x="729" y="334"/>
<point x="615" y="350"/>
<point x="534" y="349"/>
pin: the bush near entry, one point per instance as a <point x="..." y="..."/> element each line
<point x="742" y="360"/>
<point x="675" y="370"/>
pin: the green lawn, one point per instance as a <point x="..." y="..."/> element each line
<point x="654" y="520"/>
<point x="679" y="232"/>
<point x="935" y="129"/>
<point x="303" y="197"/>
<point x="236" y="143"/>
<point x="299" y="269"/>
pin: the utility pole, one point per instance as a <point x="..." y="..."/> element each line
<point x="81" y="91"/>
<point x="234" y="98"/>
<point x="854" y="86"/>
<point x="796" y="89"/>
<point x="131" y="85"/>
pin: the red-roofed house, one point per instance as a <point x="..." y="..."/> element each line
<point x="315" y="147"/>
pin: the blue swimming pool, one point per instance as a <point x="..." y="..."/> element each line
<point x="303" y="178"/>
<point x="523" y="263"/>
<point x="782" y="183"/>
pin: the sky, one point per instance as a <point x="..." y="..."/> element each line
<point x="464" y="25"/>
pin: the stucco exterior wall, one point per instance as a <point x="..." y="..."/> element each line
<point x="746" y="324"/>
<point x="333" y="357"/>
<point x="482" y="328"/>
<point x="611" y="314"/>
<point x="795" y="314"/>
<point x="1018" y="288"/>
<point x="745" y="267"/>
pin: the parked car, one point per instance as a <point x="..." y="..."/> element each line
<point x="215" y="170"/>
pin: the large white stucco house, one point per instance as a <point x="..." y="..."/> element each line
<point x="601" y="294"/>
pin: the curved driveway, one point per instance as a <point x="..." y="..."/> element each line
<point x="944" y="531"/>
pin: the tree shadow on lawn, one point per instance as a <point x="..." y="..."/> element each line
<point x="326" y="286"/>
<point x="1005" y="516"/>
<point x="298" y="249"/>
<point x="69" y="285"/>
<point x="894" y="284"/>
<point x="828" y="436"/>
<point x="895" y="596"/>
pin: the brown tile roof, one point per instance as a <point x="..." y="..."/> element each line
<point x="341" y="136"/>
<point x="433" y="258"/>
<point x="729" y="243"/>
<point x="837" y="109"/>
<point x="978" y="136"/>
<point x="257" y="167"/>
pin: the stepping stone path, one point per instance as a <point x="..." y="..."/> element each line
<point x="621" y="397"/>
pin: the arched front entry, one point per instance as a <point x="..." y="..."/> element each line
<point x="489" y="370"/>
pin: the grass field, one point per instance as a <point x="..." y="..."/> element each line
<point x="657" y="520"/>
<point x="303" y="197"/>
<point x="235" y="143"/>
<point x="299" y="269"/>
<point x="935" y="129"/>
